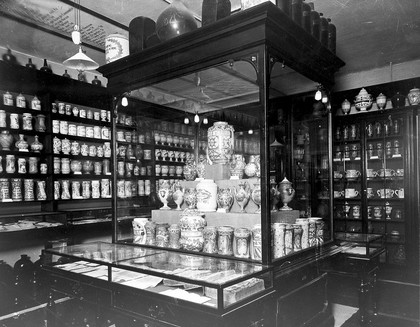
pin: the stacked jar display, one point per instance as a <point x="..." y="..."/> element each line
<point x="82" y="152"/>
<point x="24" y="131"/>
<point x="134" y="157"/>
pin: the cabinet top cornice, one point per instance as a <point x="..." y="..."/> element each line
<point x="262" y="27"/>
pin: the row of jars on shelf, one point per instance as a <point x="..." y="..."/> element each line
<point x="176" y="141"/>
<point x="24" y="121"/>
<point x="63" y="127"/>
<point x="373" y="129"/>
<point x="373" y="212"/>
<point x="91" y="189"/>
<point x="77" y="167"/>
<point x="173" y="156"/>
<point x="371" y="193"/>
<point x="7" y="140"/>
<point x="24" y="165"/>
<point x="393" y="149"/>
<point x="364" y="101"/>
<point x="352" y="174"/>
<point x="129" y="169"/>
<point x="74" y="148"/>
<point x="193" y="234"/>
<point x="69" y="110"/>
<point x="20" y="100"/>
<point x="207" y="196"/>
<point x="18" y="189"/>
<point x="127" y="188"/>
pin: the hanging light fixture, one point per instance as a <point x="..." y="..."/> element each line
<point x="79" y="61"/>
<point x="205" y="121"/>
<point x="124" y="101"/>
<point x="318" y="93"/>
<point x="196" y="118"/>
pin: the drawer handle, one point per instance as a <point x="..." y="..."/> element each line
<point x="156" y="312"/>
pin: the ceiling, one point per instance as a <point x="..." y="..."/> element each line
<point x="370" y="33"/>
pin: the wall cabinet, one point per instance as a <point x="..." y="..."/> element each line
<point x="55" y="147"/>
<point x="374" y="177"/>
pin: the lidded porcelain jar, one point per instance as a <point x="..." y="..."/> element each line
<point x="27" y="121"/>
<point x="220" y="138"/>
<point x="6" y="140"/>
<point x="414" y="96"/>
<point x="21" y="144"/>
<point x="363" y="101"/>
<point x="206" y="195"/>
<point x="381" y="101"/>
<point x="36" y="145"/>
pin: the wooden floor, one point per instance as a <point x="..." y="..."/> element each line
<point x="346" y="316"/>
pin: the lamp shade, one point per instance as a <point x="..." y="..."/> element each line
<point x="80" y="62"/>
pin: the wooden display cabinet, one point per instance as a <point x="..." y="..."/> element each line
<point x="229" y="71"/>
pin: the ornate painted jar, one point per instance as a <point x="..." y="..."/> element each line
<point x="224" y="199"/>
<point x="256" y="196"/>
<point x="363" y="101"/>
<point x="414" y="96"/>
<point x="286" y="193"/>
<point x="206" y="195"/>
<point x="237" y="166"/>
<point x="220" y="140"/>
<point x="242" y="195"/>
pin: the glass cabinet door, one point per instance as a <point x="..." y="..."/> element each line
<point x="347" y="172"/>
<point x="385" y="182"/>
<point x="370" y="177"/>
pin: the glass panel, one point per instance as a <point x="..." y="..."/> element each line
<point x="299" y="168"/>
<point x="189" y="277"/>
<point x="188" y="163"/>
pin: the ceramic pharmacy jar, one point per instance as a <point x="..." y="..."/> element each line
<point x="36" y="145"/>
<point x="6" y="140"/>
<point x="206" y="195"/>
<point x="139" y="230"/>
<point x="21" y="144"/>
<point x="220" y="139"/>
<point x="224" y="199"/>
<point x="414" y="96"/>
<point x="225" y="240"/>
<point x="242" y="237"/>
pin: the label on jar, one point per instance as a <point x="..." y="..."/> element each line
<point x="20" y="101"/>
<point x="7" y="99"/>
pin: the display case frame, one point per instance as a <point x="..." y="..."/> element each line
<point x="264" y="37"/>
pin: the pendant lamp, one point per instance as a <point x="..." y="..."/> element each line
<point x="79" y="61"/>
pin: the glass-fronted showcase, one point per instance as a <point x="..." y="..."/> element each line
<point x="207" y="161"/>
<point x="372" y="174"/>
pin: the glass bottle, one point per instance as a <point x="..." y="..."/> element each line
<point x="306" y="17"/>
<point x="96" y="81"/>
<point x="24" y="268"/>
<point x="30" y="64"/>
<point x="297" y="11"/>
<point x="9" y="57"/>
<point x="46" y="68"/>
<point x="332" y="36"/>
<point x="315" y="22"/>
<point x="323" y="35"/>
<point x="66" y="74"/>
<point x="284" y="5"/>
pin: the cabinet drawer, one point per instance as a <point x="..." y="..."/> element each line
<point x="156" y="310"/>
<point x="81" y="290"/>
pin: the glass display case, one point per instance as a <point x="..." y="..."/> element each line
<point x="206" y="159"/>
<point x="363" y="245"/>
<point x="372" y="159"/>
<point x="212" y="282"/>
